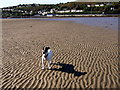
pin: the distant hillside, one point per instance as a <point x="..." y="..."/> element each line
<point x="62" y="8"/>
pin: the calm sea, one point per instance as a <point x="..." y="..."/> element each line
<point x="106" y="22"/>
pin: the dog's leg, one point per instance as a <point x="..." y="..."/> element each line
<point x="42" y="62"/>
<point x="50" y="62"/>
<point x="49" y="65"/>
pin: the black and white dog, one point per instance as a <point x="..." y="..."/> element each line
<point x="47" y="55"/>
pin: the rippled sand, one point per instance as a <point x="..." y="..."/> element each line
<point x="84" y="56"/>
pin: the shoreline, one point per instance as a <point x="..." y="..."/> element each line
<point x="65" y="16"/>
<point x="104" y="22"/>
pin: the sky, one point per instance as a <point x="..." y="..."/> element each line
<point x="6" y="3"/>
<point x="97" y="0"/>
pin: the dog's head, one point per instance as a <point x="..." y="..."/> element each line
<point x="45" y="49"/>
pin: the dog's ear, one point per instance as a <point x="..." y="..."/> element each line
<point x="48" y="47"/>
<point x="43" y="48"/>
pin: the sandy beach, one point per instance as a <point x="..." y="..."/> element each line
<point x="84" y="56"/>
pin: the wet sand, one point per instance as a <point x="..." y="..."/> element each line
<point x="84" y="56"/>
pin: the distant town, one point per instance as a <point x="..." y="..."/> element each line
<point x="63" y="9"/>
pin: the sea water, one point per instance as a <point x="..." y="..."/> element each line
<point x="106" y="22"/>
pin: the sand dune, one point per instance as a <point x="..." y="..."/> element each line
<point x="84" y="56"/>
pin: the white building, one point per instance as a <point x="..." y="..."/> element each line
<point x="44" y="13"/>
<point x="60" y="11"/>
<point x="39" y="12"/>
<point x="97" y="5"/>
<point x="88" y="5"/>
<point x="67" y="11"/>
<point x="79" y="10"/>
<point x="8" y="9"/>
<point x="31" y="12"/>
<point x="73" y="10"/>
<point x="52" y="10"/>
<point x="101" y="5"/>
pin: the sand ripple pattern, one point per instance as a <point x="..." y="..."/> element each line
<point x="84" y="57"/>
